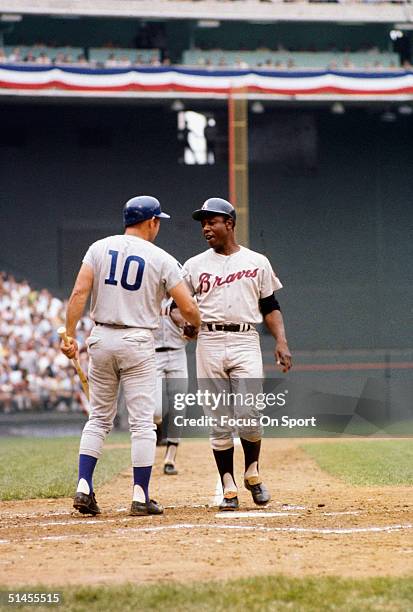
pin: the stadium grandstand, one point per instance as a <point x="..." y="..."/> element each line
<point x="34" y="375"/>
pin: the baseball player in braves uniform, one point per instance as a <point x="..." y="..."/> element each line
<point x="172" y="371"/>
<point x="234" y="288"/>
<point x="127" y="277"/>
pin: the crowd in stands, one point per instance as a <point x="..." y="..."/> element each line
<point x="34" y="374"/>
<point x="343" y="63"/>
<point x="46" y="57"/>
<point x="279" y="58"/>
<point x="262" y="58"/>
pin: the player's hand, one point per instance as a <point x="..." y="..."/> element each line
<point x="283" y="356"/>
<point x="189" y="332"/>
<point x="71" y="349"/>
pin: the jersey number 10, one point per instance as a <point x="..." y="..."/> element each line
<point x="111" y="280"/>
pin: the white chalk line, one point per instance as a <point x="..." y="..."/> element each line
<point x="13" y="515"/>
<point x="64" y="523"/>
<point x="83" y="521"/>
<point x="261" y="515"/>
<point x="292" y="507"/>
<point x="156" y="529"/>
<point x="321" y="530"/>
<point x="237" y="515"/>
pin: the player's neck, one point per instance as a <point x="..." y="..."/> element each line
<point x="228" y="249"/>
<point x="138" y="233"/>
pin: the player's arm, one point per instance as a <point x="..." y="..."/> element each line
<point x="186" y="304"/>
<point x="274" y="322"/>
<point x="189" y="332"/>
<point x="176" y="316"/>
<point x="76" y="306"/>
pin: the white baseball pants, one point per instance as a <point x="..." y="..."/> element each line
<point x="127" y="356"/>
<point x="231" y="362"/>
<point x="172" y="378"/>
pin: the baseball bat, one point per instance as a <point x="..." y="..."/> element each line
<point x="83" y="379"/>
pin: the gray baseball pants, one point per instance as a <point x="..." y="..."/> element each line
<point x="127" y="356"/>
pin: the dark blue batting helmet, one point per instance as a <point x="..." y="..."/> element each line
<point x="141" y="208"/>
<point x="216" y="206"/>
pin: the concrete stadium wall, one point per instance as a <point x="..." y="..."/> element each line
<point x="337" y="225"/>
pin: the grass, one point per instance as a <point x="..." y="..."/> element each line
<point x="47" y="467"/>
<point x="272" y="593"/>
<point x="366" y="462"/>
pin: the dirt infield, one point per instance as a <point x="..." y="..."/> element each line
<point x="315" y="525"/>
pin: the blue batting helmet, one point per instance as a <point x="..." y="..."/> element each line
<point x="141" y="208"/>
<point x="216" y="206"/>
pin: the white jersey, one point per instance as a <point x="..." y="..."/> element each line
<point x="228" y="287"/>
<point x="131" y="277"/>
<point x="168" y="334"/>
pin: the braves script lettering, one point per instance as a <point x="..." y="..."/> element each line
<point x="207" y="281"/>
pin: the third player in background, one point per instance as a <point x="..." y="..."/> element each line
<point x="172" y="377"/>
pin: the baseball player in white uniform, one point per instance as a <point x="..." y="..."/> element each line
<point x="127" y="277"/>
<point x="234" y="288"/>
<point x="172" y="377"/>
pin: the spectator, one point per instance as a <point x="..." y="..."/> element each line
<point x="139" y="61"/>
<point x="43" y="58"/>
<point x="241" y="64"/>
<point x="59" y="59"/>
<point x="348" y="64"/>
<point x="30" y="57"/>
<point x="81" y="60"/>
<point x="15" y="55"/>
<point x="124" y="61"/>
<point x="111" y="61"/>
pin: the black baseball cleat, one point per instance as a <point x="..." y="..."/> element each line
<point x="169" y="469"/>
<point x="229" y="504"/>
<point x="160" y="440"/>
<point x="145" y="508"/>
<point x="86" y="504"/>
<point x="259" y="491"/>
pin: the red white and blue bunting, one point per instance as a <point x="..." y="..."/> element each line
<point x="153" y="79"/>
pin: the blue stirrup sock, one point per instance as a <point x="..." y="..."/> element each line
<point x="87" y="464"/>
<point x="141" y="477"/>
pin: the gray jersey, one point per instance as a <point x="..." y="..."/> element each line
<point x="168" y="334"/>
<point x="131" y="277"/>
<point x="228" y="287"/>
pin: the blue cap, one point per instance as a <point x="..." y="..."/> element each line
<point x="214" y="206"/>
<point x="141" y="208"/>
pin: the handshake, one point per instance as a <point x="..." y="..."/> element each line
<point x="189" y="332"/>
